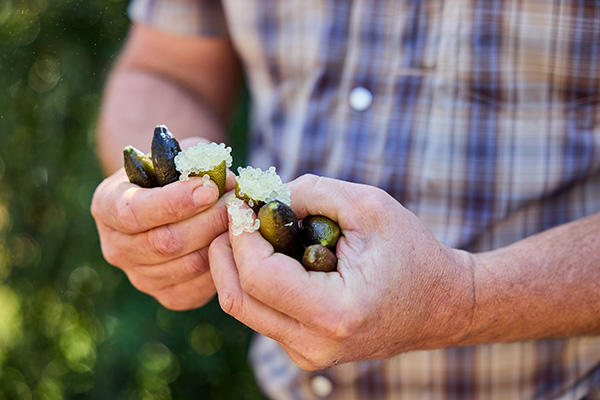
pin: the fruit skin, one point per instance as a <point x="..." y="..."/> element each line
<point x="255" y="205"/>
<point x="218" y="175"/>
<point x="279" y="226"/>
<point x="164" y="149"/>
<point x="319" y="258"/>
<point x="139" y="167"/>
<point x="320" y="229"/>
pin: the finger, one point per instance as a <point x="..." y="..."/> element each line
<point x="152" y="278"/>
<point x="239" y="304"/>
<point x="312" y="298"/>
<point x="193" y="141"/>
<point x="307" y="350"/>
<point x="230" y="181"/>
<point x="128" y="208"/>
<point x="170" y="241"/>
<point x="188" y="295"/>
<point x="313" y="360"/>
<point x="312" y="195"/>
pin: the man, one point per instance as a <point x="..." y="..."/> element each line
<point x="480" y="117"/>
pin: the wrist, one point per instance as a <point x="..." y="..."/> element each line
<point x="455" y="301"/>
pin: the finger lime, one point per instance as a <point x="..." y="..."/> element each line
<point x="139" y="167"/>
<point x="317" y="257"/>
<point x="279" y="226"/>
<point x="164" y="149"/>
<point x="257" y="187"/>
<point x="205" y="159"/>
<point x="320" y="229"/>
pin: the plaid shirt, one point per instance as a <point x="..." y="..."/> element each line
<point x="480" y="116"/>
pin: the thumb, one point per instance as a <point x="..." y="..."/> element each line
<point x="333" y="198"/>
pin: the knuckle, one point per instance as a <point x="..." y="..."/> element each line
<point x="214" y="249"/>
<point x="343" y="327"/>
<point x="310" y="182"/>
<point x="169" y="210"/>
<point x="309" y="179"/>
<point x="172" y="303"/>
<point x="248" y="280"/>
<point x="230" y="303"/>
<point x="162" y="242"/>
<point x="140" y="283"/>
<point x="179" y="298"/>
<point x="346" y="329"/>
<point x="215" y="222"/>
<point x="111" y="255"/>
<point x="219" y="219"/>
<point x="316" y="359"/>
<point x="126" y="215"/>
<point x="370" y="199"/>
<point x="170" y="298"/>
<point x="196" y="263"/>
<point x="304" y="363"/>
<point x="175" y="208"/>
<point x="370" y="202"/>
<point x="96" y="207"/>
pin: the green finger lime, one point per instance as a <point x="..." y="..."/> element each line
<point x="139" y="167"/>
<point x="319" y="258"/>
<point x="205" y="159"/>
<point x="257" y="187"/>
<point x="164" y="149"/>
<point x="320" y="229"/>
<point x="279" y="226"/>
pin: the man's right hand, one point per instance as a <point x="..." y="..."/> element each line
<point x="159" y="237"/>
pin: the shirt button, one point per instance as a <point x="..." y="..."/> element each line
<point x="321" y="385"/>
<point x="360" y="98"/>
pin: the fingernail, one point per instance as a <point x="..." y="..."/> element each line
<point x="204" y="195"/>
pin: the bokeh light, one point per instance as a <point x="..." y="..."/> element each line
<point x="71" y="326"/>
<point x="206" y="339"/>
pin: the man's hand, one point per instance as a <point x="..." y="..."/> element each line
<point x="159" y="237"/>
<point x="396" y="288"/>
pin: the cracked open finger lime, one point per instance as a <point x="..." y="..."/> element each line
<point x="205" y="159"/>
<point x="257" y="187"/>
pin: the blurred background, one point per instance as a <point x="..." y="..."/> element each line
<point x="71" y="326"/>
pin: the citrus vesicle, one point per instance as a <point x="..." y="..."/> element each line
<point x="257" y="187"/>
<point x="210" y="159"/>
<point x="242" y="219"/>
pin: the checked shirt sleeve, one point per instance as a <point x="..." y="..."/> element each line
<point x="182" y="17"/>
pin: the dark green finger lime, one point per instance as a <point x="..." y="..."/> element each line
<point x="320" y="229"/>
<point x="164" y="149"/>
<point x="139" y="167"/>
<point x="319" y="258"/>
<point x="279" y="226"/>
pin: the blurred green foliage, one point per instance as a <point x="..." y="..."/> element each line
<point x="71" y="326"/>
